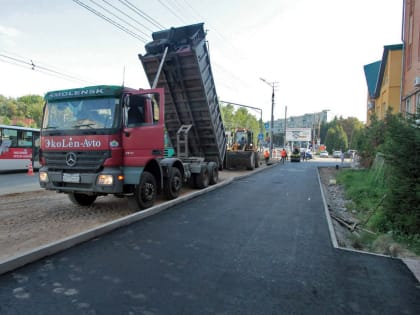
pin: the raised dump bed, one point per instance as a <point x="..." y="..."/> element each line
<point x="190" y="93"/>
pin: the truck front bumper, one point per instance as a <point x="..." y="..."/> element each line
<point x="109" y="181"/>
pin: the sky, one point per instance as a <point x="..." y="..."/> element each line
<point x="313" y="51"/>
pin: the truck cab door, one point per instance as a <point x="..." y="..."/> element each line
<point x="143" y="119"/>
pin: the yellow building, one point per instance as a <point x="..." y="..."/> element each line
<point x="384" y="83"/>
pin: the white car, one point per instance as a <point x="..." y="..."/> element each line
<point x="337" y="154"/>
<point x="323" y="154"/>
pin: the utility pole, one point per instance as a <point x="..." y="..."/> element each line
<point x="285" y="127"/>
<point x="273" y="85"/>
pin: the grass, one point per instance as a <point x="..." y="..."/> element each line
<point x="366" y="190"/>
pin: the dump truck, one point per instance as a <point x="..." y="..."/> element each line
<point x="191" y="101"/>
<point x="104" y="139"/>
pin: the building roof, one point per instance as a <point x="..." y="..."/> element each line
<point x="387" y="49"/>
<point x="371" y="74"/>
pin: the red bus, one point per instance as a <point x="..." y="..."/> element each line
<point x="18" y="147"/>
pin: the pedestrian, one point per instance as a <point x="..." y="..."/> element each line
<point x="342" y="157"/>
<point x="283" y="155"/>
<point x="266" y="156"/>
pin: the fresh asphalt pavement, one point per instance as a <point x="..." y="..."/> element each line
<point x="259" y="245"/>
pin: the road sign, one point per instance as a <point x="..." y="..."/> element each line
<point x="298" y="134"/>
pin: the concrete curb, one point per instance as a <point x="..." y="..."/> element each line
<point x="412" y="264"/>
<point x="327" y="214"/>
<point x="35" y="254"/>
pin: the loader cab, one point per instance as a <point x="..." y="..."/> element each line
<point x="243" y="139"/>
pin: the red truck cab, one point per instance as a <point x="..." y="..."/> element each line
<point x="100" y="140"/>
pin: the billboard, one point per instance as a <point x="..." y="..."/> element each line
<point x="298" y="134"/>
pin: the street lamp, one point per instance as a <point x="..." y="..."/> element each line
<point x="272" y="85"/>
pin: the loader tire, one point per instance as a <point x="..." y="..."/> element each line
<point x="251" y="162"/>
<point x="257" y="160"/>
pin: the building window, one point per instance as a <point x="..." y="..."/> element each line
<point x="410" y="41"/>
<point x="418" y="44"/>
<point x="407" y="105"/>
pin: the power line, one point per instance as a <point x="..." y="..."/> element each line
<point x="200" y="17"/>
<point x="225" y="41"/>
<point x="172" y="11"/>
<point x="121" y="19"/>
<point x="123" y="28"/>
<point x="36" y="67"/>
<point x="131" y="18"/>
<point x="144" y="15"/>
<point x="128" y="4"/>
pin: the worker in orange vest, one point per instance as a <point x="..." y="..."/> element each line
<point x="283" y="155"/>
<point x="266" y="156"/>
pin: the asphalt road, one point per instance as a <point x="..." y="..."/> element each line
<point x="18" y="182"/>
<point x="259" y="245"/>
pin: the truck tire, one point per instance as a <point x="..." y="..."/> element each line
<point x="213" y="173"/>
<point x="251" y="162"/>
<point x="82" y="199"/>
<point x="146" y="191"/>
<point x="202" y="180"/>
<point x="173" y="185"/>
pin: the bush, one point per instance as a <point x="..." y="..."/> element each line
<point x="402" y="153"/>
<point x="378" y="221"/>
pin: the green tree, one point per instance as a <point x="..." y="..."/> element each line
<point x="239" y="118"/>
<point x="351" y="127"/>
<point x="402" y="153"/>
<point x="25" y="110"/>
<point x="228" y="112"/>
<point x="33" y="105"/>
<point x="336" y="138"/>
<point x="370" y="140"/>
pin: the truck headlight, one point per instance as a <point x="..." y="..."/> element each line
<point x="105" y="180"/>
<point x="43" y="177"/>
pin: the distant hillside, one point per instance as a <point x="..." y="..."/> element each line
<point x="22" y="111"/>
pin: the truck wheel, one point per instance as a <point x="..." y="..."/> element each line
<point x="173" y="185"/>
<point x="213" y="173"/>
<point x="82" y="199"/>
<point x="202" y="180"/>
<point x="145" y="192"/>
<point x="251" y="162"/>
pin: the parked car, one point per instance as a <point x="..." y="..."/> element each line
<point x="350" y="154"/>
<point x="308" y="155"/>
<point x="323" y="154"/>
<point x="337" y="154"/>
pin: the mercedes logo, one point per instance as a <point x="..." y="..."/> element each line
<point x="71" y="159"/>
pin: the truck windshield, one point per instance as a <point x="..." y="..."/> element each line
<point x="97" y="113"/>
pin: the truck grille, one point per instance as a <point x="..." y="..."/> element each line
<point x="86" y="161"/>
